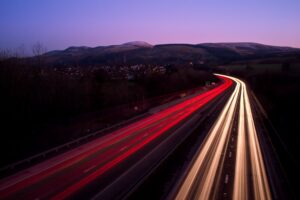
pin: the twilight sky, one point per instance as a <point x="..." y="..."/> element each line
<point x="59" y="24"/>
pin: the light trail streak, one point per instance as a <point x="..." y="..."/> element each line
<point x="204" y="173"/>
<point x="259" y="175"/>
<point x="208" y="158"/>
<point x="240" y="177"/>
<point x="70" y="174"/>
<point x="189" y="109"/>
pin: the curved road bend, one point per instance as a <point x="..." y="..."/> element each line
<point x="249" y="180"/>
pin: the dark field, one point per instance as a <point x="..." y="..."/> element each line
<point x="43" y="107"/>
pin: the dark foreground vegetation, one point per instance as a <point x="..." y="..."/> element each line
<point x="42" y="107"/>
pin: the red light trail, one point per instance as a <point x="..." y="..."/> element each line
<point x="61" y="177"/>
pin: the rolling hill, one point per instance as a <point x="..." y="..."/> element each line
<point x="141" y="52"/>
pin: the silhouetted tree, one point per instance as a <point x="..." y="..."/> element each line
<point x="38" y="50"/>
<point x="4" y="54"/>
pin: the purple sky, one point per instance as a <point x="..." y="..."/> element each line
<point x="59" y="24"/>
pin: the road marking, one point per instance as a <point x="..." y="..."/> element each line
<point x="89" y="169"/>
<point x="226" y="179"/>
<point x="123" y="148"/>
<point x="145" y="135"/>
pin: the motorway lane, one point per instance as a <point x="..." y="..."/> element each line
<point x="259" y="175"/>
<point x="63" y="179"/>
<point x="240" y="176"/>
<point x="258" y="185"/>
<point x="204" y="175"/>
<point x="200" y="179"/>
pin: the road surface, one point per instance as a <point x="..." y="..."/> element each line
<point x="66" y="175"/>
<point x="232" y="139"/>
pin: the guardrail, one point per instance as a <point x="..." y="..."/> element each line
<point x="67" y="146"/>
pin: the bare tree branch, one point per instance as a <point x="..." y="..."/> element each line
<point x="38" y="49"/>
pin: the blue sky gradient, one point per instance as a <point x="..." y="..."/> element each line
<point x="59" y="24"/>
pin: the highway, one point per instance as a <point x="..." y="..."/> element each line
<point x="233" y="142"/>
<point x="64" y="176"/>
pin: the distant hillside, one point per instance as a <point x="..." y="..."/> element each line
<point x="142" y="52"/>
